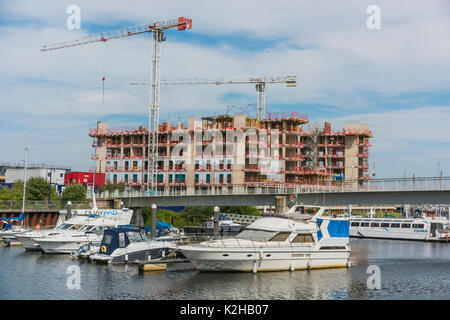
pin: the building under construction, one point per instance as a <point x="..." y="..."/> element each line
<point x="234" y="150"/>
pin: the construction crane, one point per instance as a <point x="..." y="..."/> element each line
<point x="157" y="28"/>
<point x="244" y="109"/>
<point x="260" y="81"/>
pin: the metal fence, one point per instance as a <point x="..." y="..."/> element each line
<point x="208" y="241"/>
<point x="33" y="205"/>
<point x="374" y="185"/>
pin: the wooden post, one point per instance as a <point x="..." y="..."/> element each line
<point x="153" y="233"/>
<point x="216" y="222"/>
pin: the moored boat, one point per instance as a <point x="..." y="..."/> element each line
<point x="121" y="245"/>
<point x="68" y="241"/>
<point x="290" y="241"/>
<point x="421" y="229"/>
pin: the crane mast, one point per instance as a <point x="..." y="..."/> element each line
<point x="158" y="36"/>
<point x="259" y="81"/>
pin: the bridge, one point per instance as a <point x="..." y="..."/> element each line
<point x="423" y="190"/>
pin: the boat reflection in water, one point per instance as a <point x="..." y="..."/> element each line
<point x="291" y="241"/>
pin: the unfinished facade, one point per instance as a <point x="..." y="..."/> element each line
<point x="228" y="151"/>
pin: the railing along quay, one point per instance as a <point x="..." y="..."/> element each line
<point x="374" y="185"/>
<point x="33" y="205"/>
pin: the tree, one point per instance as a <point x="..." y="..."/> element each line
<point x="15" y="193"/>
<point x="75" y="193"/>
<point x="245" y="210"/>
<point x="112" y="187"/>
<point x="37" y="189"/>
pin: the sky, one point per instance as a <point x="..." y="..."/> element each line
<point x="395" y="78"/>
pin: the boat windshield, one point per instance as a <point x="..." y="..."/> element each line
<point x="64" y="226"/>
<point x="84" y="228"/>
<point x="134" y="236"/>
<point x="79" y="227"/>
<point x="256" y="235"/>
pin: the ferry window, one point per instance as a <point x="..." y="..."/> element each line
<point x="406" y="226"/>
<point x="375" y="224"/>
<point x="395" y="225"/>
<point x="355" y="224"/>
<point x="418" y="226"/>
<point x="385" y="225"/>
<point x="364" y="224"/>
<point x="282" y="236"/>
<point x="303" y="238"/>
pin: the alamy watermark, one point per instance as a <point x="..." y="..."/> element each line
<point x="74" y="20"/>
<point x="374" y="20"/>
<point x="74" y="278"/>
<point x="374" y="280"/>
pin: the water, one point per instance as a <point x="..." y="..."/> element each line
<point x="408" y="270"/>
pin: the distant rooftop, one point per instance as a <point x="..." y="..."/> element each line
<point x="15" y="165"/>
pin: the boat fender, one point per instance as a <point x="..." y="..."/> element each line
<point x="308" y="264"/>
<point x="261" y="254"/>
<point x="126" y="257"/>
<point x="292" y="267"/>
<point x="255" y="270"/>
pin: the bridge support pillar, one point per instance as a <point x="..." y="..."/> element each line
<point x="280" y="204"/>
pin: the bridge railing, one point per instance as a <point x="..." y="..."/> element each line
<point x="33" y="205"/>
<point x="241" y="218"/>
<point x="393" y="184"/>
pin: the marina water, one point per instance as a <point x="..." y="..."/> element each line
<point x="407" y="270"/>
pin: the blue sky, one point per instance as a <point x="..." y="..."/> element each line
<point x="396" y="79"/>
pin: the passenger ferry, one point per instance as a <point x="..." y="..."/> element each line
<point x="291" y="241"/>
<point x="422" y="229"/>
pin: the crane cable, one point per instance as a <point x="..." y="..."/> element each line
<point x="105" y="46"/>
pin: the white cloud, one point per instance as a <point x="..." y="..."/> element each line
<point x="326" y="44"/>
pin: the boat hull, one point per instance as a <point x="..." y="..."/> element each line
<point x="249" y="260"/>
<point x="142" y="255"/>
<point x="388" y="234"/>
<point x="28" y="243"/>
<point x="62" y="246"/>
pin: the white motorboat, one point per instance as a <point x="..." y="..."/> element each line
<point x="291" y="241"/>
<point x="421" y="229"/>
<point x="75" y="223"/>
<point x="121" y="245"/>
<point x="68" y="241"/>
<point x="225" y="224"/>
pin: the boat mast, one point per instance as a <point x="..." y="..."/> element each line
<point x="94" y="203"/>
<point x="24" y="185"/>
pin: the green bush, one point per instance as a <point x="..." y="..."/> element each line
<point x="76" y="193"/>
<point x="192" y="216"/>
<point x="112" y="187"/>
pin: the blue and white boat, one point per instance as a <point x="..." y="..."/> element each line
<point x="8" y="231"/>
<point x="291" y="241"/>
<point x="121" y="245"/>
<point x="421" y="229"/>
